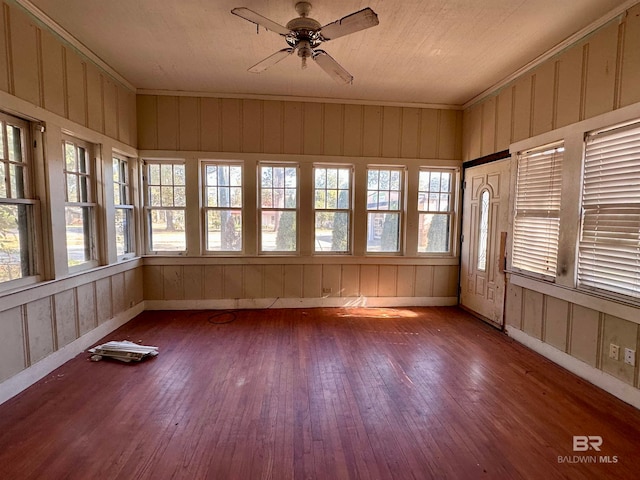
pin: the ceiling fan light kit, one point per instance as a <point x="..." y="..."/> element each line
<point x="305" y="34"/>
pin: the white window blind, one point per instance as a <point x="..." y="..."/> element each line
<point x="609" y="248"/>
<point x="537" y="216"/>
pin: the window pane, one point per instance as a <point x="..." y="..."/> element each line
<point x="154" y="174"/>
<point x="383" y="233"/>
<point x="72" y="188"/>
<point x="3" y="185"/>
<point x="332" y="232"/>
<point x="155" y="198"/>
<point x="15" y="251"/>
<point x="433" y="233"/>
<point x="70" y="157"/>
<point x="14" y="143"/>
<point x="483" y="233"/>
<point x="278" y="231"/>
<point x="224" y="230"/>
<point x="167" y="230"/>
<point x="180" y="196"/>
<point x="79" y="227"/>
<point x="166" y="174"/>
<point x="17" y="181"/>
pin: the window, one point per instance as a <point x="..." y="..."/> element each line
<point x="609" y="247"/>
<point x="223" y="207"/>
<point x="332" y="207"/>
<point x="278" y="208"/>
<point x="435" y="207"/>
<point x="483" y="231"/>
<point x="80" y="205"/>
<point x="384" y="209"/>
<point x="16" y="202"/>
<point x="123" y="215"/>
<point x="166" y="206"/>
<point x="536" y="226"/>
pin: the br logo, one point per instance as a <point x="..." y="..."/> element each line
<point x="583" y="443"/>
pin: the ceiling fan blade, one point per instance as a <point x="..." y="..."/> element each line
<point x="333" y="68"/>
<point x="271" y="60"/>
<point x="355" y="22"/>
<point x="258" y="19"/>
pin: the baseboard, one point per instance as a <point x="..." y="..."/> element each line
<point x="27" y="377"/>
<point x="606" y="382"/>
<point x="250" y="303"/>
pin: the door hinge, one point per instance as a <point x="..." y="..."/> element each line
<point x="462" y="238"/>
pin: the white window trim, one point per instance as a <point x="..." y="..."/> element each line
<point x="452" y="212"/>
<point x="261" y="209"/>
<point x="93" y="204"/>
<point x="348" y="210"/>
<point x="205" y="209"/>
<point x="148" y="208"/>
<point x="401" y="211"/>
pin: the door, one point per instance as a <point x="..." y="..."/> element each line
<point x="485" y="207"/>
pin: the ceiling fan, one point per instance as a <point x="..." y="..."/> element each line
<point x="305" y="34"/>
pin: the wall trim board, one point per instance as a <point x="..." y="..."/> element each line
<point x="46" y="288"/>
<point x="584" y="299"/>
<point x="285" y="98"/>
<point x="27" y="377"/>
<point x="265" y="303"/>
<point x="300" y="260"/>
<point x="559" y="48"/>
<point x="612" y="385"/>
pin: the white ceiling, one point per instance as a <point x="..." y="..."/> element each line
<point x="423" y="51"/>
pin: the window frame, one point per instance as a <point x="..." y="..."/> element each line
<point x="206" y="208"/>
<point x="528" y="205"/>
<point x="260" y="209"/>
<point x="400" y="211"/>
<point x="126" y="190"/>
<point x="90" y="203"/>
<point x="32" y="223"/>
<point x="451" y="212"/>
<point x="605" y="211"/>
<point x="348" y="210"/>
<point x="148" y="208"/>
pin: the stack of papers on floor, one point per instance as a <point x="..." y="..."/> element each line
<point x="124" y="351"/>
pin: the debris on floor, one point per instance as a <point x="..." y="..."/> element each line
<point x="125" y="351"/>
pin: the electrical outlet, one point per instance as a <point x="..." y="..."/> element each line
<point x="630" y="357"/>
<point x="614" y="351"/>
<point x="326" y="290"/>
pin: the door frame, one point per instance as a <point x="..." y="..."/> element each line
<point x="494" y="157"/>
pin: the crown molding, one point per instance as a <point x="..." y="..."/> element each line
<point x="72" y="41"/>
<point x="617" y="12"/>
<point x="287" y="98"/>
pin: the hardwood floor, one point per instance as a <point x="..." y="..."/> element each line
<point x="315" y="394"/>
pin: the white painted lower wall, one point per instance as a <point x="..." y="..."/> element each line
<point x="27" y="377"/>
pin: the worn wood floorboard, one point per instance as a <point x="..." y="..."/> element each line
<point x="413" y="393"/>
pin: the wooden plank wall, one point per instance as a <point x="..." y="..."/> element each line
<point x="579" y="331"/>
<point x="36" y="66"/>
<point x="598" y="74"/>
<point x="207" y="124"/>
<point x="278" y="280"/>
<point x="40" y="321"/>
